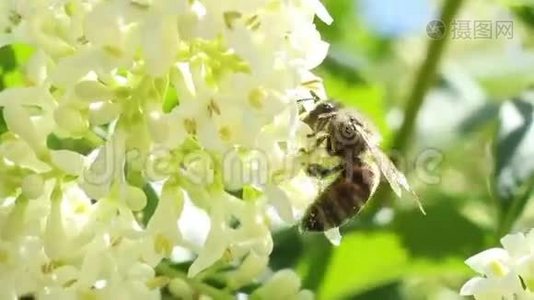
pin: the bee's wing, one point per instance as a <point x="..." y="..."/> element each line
<point x="396" y="178"/>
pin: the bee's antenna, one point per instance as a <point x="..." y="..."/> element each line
<point x="306" y="99"/>
<point x="313" y="97"/>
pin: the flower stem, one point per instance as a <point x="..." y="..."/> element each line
<point x="509" y="216"/>
<point x="423" y="81"/>
<point x="164" y="268"/>
<point x="425" y="77"/>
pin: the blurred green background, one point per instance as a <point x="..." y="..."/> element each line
<point x="469" y="154"/>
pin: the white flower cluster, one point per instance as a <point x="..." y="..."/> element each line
<point x="131" y="109"/>
<point x="505" y="273"/>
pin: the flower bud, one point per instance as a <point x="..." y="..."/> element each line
<point x="251" y="267"/>
<point x="19" y="122"/>
<point x="158" y="127"/>
<point x="283" y="285"/>
<point x="135" y="198"/>
<point x="140" y="271"/>
<point x="68" y="161"/>
<point x="16" y="151"/>
<point x="32" y="186"/>
<point x="101" y="113"/>
<point x="70" y="120"/>
<point x="92" y="91"/>
<point x="180" y="289"/>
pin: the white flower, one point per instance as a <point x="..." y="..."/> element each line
<point x="284" y="284"/>
<point x="506" y="273"/>
<point x="128" y="112"/>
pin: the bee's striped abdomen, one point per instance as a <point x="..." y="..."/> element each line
<point x="342" y="199"/>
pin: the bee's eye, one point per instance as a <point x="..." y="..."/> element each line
<point x="355" y="121"/>
<point x="326" y="107"/>
<point x="348" y="130"/>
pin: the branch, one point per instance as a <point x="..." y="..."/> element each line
<point x="423" y="81"/>
<point x="425" y="77"/>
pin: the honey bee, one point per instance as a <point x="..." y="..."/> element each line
<point x="348" y="136"/>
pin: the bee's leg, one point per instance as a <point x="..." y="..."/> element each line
<point x="327" y="116"/>
<point x="330" y="147"/>
<point x="322" y="122"/>
<point x="318" y="142"/>
<point x="316" y="170"/>
<point x="350" y="161"/>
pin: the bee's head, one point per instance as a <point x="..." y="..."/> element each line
<point x="321" y="109"/>
<point x="325" y="107"/>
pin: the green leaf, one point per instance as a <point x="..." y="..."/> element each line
<point x="8" y="61"/>
<point x="11" y="58"/>
<point x="171" y="100"/>
<point x="134" y="177"/>
<point x="362" y="262"/>
<point x="343" y="69"/>
<point x="508" y="83"/>
<point x="13" y="78"/>
<point x="287" y="249"/>
<point x="514" y="168"/>
<point x="22" y="52"/>
<point x="250" y="193"/>
<point x="316" y="261"/>
<point x="480" y="117"/>
<point x="3" y="125"/>
<point x="443" y="232"/>
<point x="350" y="33"/>
<point x="525" y="13"/>
<point x="342" y="12"/>
<point x="152" y="203"/>
<point x="79" y="145"/>
<point x="514" y="148"/>
<point x="388" y="291"/>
